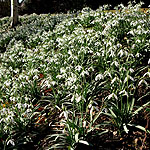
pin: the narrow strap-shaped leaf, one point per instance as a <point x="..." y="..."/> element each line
<point x="113" y="114"/>
<point x="83" y="142"/>
<point x="140" y="108"/>
<point x="132" y="104"/>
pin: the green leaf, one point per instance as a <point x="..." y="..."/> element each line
<point x="101" y="133"/>
<point x="140" y="127"/>
<point x="83" y="142"/>
<point x="137" y="126"/>
<point x="140" y="108"/>
<point x="108" y="114"/>
<point x="95" y="118"/>
<point x="132" y="104"/>
<point x="113" y="114"/>
<point x="148" y="109"/>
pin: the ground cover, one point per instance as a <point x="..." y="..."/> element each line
<point x="76" y="81"/>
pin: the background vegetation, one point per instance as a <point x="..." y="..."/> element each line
<point x="58" y="6"/>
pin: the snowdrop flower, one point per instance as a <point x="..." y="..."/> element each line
<point x="138" y="41"/>
<point x="139" y="27"/>
<point x="97" y="53"/>
<point x="112" y="54"/>
<point x="11" y="141"/>
<point x="124" y="93"/>
<point x="53" y="83"/>
<point x="29" y="110"/>
<point x="7" y="83"/>
<point x="107" y="73"/>
<point x="35" y="77"/>
<point x="65" y="113"/>
<point x="62" y="70"/>
<point x="143" y="81"/>
<point x="127" y="78"/>
<point x="59" y="76"/>
<point x="116" y="63"/>
<point x="91" y="69"/>
<point x="19" y="105"/>
<point x="78" y="98"/>
<point x="121" y="53"/>
<point x="16" y="71"/>
<point x="78" y="68"/>
<point x="70" y="81"/>
<point x="112" y="95"/>
<point x="138" y="55"/>
<point x="12" y="99"/>
<point x="149" y="61"/>
<point x="72" y="99"/>
<point x="83" y="73"/>
<point x="108" y="44"/>
<point x="131" y="70"/>
<point x="47" y="83"/>
<point x="99" y="77"/>
<point x="131" y="32"/>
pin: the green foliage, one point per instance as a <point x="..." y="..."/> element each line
<point x="69" y="71"/>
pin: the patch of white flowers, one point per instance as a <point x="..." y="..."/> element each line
<point x="79" y="53"/>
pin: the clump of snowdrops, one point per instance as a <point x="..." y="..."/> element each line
<point x="82" y="67"/>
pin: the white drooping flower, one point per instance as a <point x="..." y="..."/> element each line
<point x="78" y="98"/>
<point x="99" y="77"/>
<point x="84" y="72"/>
<point x="112" y="95"/>
<point x="149" y="61"/>
<point x="78" y="68"/>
